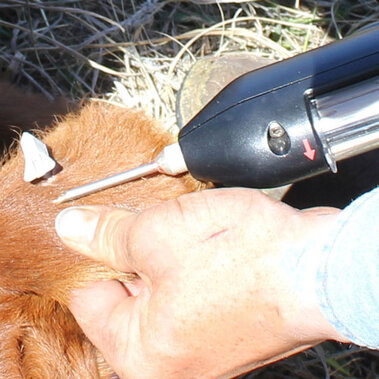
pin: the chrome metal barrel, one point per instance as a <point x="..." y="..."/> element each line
<point x="347" y="120"/>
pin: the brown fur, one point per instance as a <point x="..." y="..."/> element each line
<point x="38" y="336"/>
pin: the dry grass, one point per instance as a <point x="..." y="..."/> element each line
<point x="137" y="53"/>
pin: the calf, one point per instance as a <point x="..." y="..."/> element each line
<point x="39" y="338"/>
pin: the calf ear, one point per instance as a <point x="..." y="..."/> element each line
<point x="10" y="337"/>
<point x="44" y="342"/>
<point x="57" y="349"/>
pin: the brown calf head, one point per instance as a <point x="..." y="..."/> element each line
<point x="38" y="335"/>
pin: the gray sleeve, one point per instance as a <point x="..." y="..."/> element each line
<point x="347" y="278"/>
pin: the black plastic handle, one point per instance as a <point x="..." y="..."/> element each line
<point x="258" y="131"/>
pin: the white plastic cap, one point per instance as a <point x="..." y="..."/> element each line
<point x="171" y="160"/>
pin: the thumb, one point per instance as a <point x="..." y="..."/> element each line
<point x="97" y="232"/>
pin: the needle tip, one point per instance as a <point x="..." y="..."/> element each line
<point x="61" y="199"/>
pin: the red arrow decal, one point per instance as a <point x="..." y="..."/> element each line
<point x="309" y="152"/>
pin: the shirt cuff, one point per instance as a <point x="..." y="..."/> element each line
<point x="347" y="278"/>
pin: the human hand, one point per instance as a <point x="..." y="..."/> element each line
<point x="225" y="284"/>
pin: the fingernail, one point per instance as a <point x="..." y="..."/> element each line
<point x="77" y="225"/>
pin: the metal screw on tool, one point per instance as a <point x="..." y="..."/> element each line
<point x="275" y="130"/>
<point x="277" y="139"/>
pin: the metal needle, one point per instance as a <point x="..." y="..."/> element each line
<point x="111" y="181"/>
<point x="170" y="161"/>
